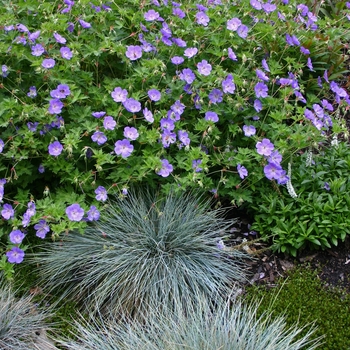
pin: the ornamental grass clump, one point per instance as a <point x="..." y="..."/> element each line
<point x="228" y="327"/>
<point x="22" y="325"/>
<point x="146" y="250"/>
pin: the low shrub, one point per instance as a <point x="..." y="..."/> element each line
<point x="145" y="250"/>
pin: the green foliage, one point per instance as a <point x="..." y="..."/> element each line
<point x="318" y="217"/>
<point x="146" y="250"/>
<point x="303" y="298"/>
<point x="228" y="327"/>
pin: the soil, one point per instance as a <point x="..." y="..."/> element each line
<point x="332" y="266"/>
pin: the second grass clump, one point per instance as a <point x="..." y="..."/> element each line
<point x="147" y="249"/>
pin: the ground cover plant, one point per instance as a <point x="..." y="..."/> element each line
<point x="146" y="251"/>
<point x="97" y="96"/>
<point x="231" y="326"/>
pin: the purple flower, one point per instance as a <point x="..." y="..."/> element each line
<point x="275" y="157"/>
<point x="295" y="40"/>
<point x="272" y="171"/>
<point x="190" y="52"/>
<point x="151" y="15"/>
<point x="101" y="193"/>
<point x="42" y="228"/>
<point x="15" y="255"/>
<point x="168" y="138"/>
<point x="265" y="65"/>
<point x="304" y="51"/>
<point x="233" y="24"/>
<point x="131" y="105"/>
<point x="204" y="67"/>
<point x="123" y="148"/>
<point x="326" y="186"/>
<point x="93" y="214"/>
<point x="257" y="105"/>
<point x="109" y="123"/>
<point x="249" y="130"/>
<point x="178" y="107"/>
<point x="2" y="145"/>
<point x="231" y="54"/>
<point x="166" y="168"/>
<point x="98" y="114"/>
<point x="25" y="219"/>
<point x="196" y="165"/>
<point x="289" y="40"/>
<point x="299" y="96"/>
<point x="187" y="75"/>
<point x="148" y="115"/>
<point x="309" y="64"/>
<point x="59" y="38"/>
<point x="261" y="90"/>
<point x="62" y="91"/>
<point x="242" y="171"/>
<point x="55" y="148"/>
<point x="177" y="60"/>
<point x="256" y="4"/>
<point x="167" y="124"/>
<point x="32" y="92"/>
<point x="228" y="86"/>
<point x="133" y="52"/>
<point x="215" y="96"/>
<point x="327" y="105"/>
<point x="48" y="63"/>
<point x="41" y="169"/>
<point x="99" y="137"/>
<point x="22" y="28"/>
<point x="7" y="212"/>
<point x="338" y="90"/>
<point x="211" y="116"/>
<point x="75" y="212"/>
<point x="16" y="236"/>
<point x="84" y="24"/>
<point x="183" y="137"/>
<point x="261" y="75"/>
<point x="119" y="94"/>
<point x="179" y="42"/>
<point x="202" y="18"/>
<point x="37" y="50"/>
<point x="242" y="31"/>
<point x="31" y="209"/>
<point x="130" y="133"/>
<point x="2" y="183"/>
<point x="268" y="8"/>
<point x="265" y="147"/>
<point x="154" y="95"/>
<point x="66" y="53"/>
<point x="178" y="12"/>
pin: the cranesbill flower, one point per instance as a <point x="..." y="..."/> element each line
<point x="66" y="53"/>
<point x="22" y="28"/>
<point x="318" y="110"/>
<point x="179" y="42"/>
<point x="168" y="138"/>
<point x="33" y="36"/>
<point x="42" y="228"/>
<point x="196" y="165"/>
<point x="31" y="208"/>
<point x="265" y="65"/>
<point x="261" y="75"/>
<point x="98" y="114"/>
<point x="84" y="24"/>
<point x="7" y="212"/>
<point x="166" y="168"/>
<point x="154" y="95"/>
<point x="190" y="52"/>
<point x="2" y="144"/>
<point x="231" y="54"/>
<point x="109" y="123"/>
<point x="178" y="107"/>
<point x="183" y="137"/>
<point x="133" y="52"/>
<point x="167" y="124"/>
<point x="41" y="169"/>
<point x="256" y="4"/>
<point x="211" y="116"/>
<point x="151" y="15"/>
<point x="249" y="130"/>
<point x="48" y="63"/>
<point x="257" y="105"/>
<point x="272" y="171"/>
<point x="299" y="96"/>
<point x="327" y="105"/>
<point x="204" y="67"/>
<point x="55" y="106"/>
<point x="275" y="157"/>
<point x="119" y="94"/>
<point x="202" y="18"/>
<point x="233" y="24"/>
<point x="25" y="219"/>
<point x="4" y="71"/>
<point x="93" y="214"/>
<point x="166" y="31"/>
<point x="59" y="38"/>
<point x="99" y="137"/>
<point x="268" y="8"/>
<point x="148" y="115"/>
<point x="242" y="31"/>
<point x="101" y="194"/>
<point x="37" y="50"/>
<point x="178" y="12"/>
<point x="289" y="40"/>
<point x="242" y="171"/>
<point x="166" y="41"/>
<point x="2" y="190"/>
<point x="75" y="212"/>
<point x="338" y="90"/>
<point x="130" y="133"/>
<point x="265" y="147"/>
<point x="177" y="60"/>
<point x="32" y="92"/>
<point x="309" y="64"/>
<point x="55" y="148"/>
<point x="304" y="51"/>
<point x="228" y="86"/>
<point x="15" y="255"/>
<point x="70" y="27"/>
<point x="261" y="90"/>
<point x="16" y="236"/>
<point x="187" y="75"/>
<point x="123" y="148"/>
<point x="62" y="91"/>
<point x="216" y="96"/>
<point x="131" y="105"/>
